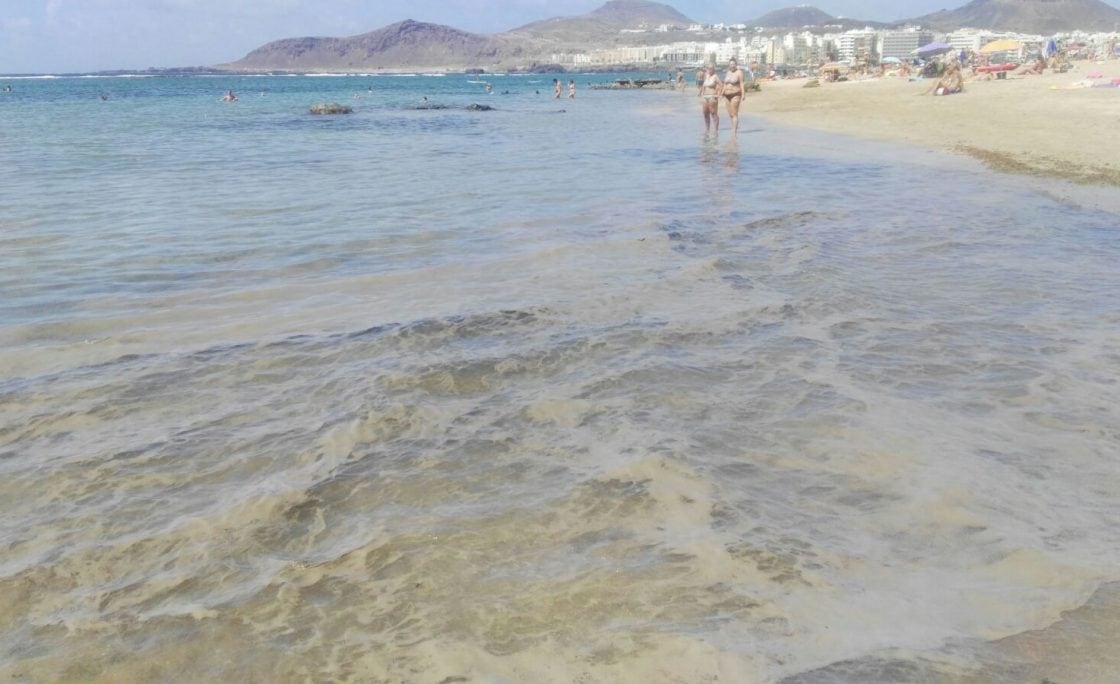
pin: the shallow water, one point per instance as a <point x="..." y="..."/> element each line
<point x="564" y="391"/>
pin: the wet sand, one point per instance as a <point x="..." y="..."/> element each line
<point x="1036" y="125"/>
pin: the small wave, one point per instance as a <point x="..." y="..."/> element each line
<point x="117" y="76"/>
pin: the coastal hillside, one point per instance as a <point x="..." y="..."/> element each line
<point x="603" y="26"/>
<point x="412" y="44"/>
<point x="624" y="13"/>
<point x="807" y="16"/>
<point x="1029" y="16"/>
<point x="408" y="44"/>
<point x="802" y="15"/>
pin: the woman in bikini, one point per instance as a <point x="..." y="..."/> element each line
<point x="733" y="90"/>
<point x="709" y="90"/>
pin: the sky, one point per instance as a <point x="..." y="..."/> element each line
<point x="66" y="36"/>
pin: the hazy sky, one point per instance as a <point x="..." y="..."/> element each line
<point x="54" y="36"/>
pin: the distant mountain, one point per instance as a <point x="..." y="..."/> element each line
<point x="806" y="16"/>
<point x="802" y="15"/>
<point x="413" y="44"/>
<point x="406" y="44"/>
<point x="630" y="13"/>
<point x="1028" y="16"/>
<point x="603" y="25"/>
<point x="615" y="15"/>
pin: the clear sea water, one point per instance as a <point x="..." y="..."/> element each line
<point x="563" y="391"/>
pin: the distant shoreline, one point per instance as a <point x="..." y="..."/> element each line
<point x="464" y="71"/>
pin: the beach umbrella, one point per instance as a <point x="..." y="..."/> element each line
<point x="1001" y="45"/>
<point x="890" y="60"/>
<point x="931" y="49"/>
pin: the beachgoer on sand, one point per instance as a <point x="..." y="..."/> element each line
<point x="1033" y="69"/>
<point x="950" y="83"/>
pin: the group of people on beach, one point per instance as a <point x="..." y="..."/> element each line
<point x="711" y="88"/>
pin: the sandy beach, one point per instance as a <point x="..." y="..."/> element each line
<point x="1039" y="125"/>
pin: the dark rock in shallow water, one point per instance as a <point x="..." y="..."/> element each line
<point x="331" y="109"/>
<point x="439" y="107"/>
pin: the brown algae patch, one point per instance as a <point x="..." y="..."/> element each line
<point x="1049" y="167"/>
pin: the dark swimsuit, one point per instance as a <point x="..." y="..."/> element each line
<point x="738" y="84"/>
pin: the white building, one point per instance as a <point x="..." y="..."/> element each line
<point x="902" y="44"/>
<point x="855" y="44"/>
<point x="968" y="39"/>
<point x="683" y="53"/>
<point x="801" y="48"/>
<point x="728" y="50"/>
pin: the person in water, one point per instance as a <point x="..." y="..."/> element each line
<point x="571" y="90"/>
<point x="709" y="92"/>
<point x="229" y="97"/>
<point x="734" y="85"/>
<point x="557" y="87"/>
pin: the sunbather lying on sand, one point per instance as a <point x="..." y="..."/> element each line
<point x="1034" y="68"/>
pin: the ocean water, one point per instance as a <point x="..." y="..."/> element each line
<point x="565" y="391"/>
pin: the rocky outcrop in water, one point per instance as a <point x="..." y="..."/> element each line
<point x="333" y="108"/>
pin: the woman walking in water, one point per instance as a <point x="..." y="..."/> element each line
<point x="709" y="90"/>
<point x="733" y="89"/>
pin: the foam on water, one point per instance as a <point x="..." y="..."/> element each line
<point x="538" y="396"/>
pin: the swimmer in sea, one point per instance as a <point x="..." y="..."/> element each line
<point x="229" y="97"/>
<point x="709" y="91"/>
<point x="733" y="89"/>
